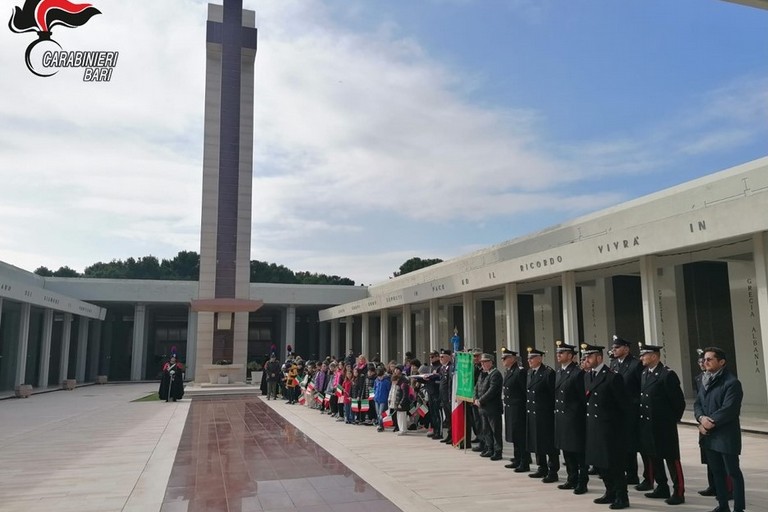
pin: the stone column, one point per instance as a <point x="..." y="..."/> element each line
<point x="94" y="349"/>
<point x="511" y="317"/>
<point x="335" y="338"/>
<point x="349" y="334"/>
<point x="23" y="343"/>
<point x="648" y="289"/>
<point x="470" y="331"/>
<point x="407" y="345"/>
<point x="599" y="321"/>
<point x="434" y="324"/>
<point x="760" y="347"/>
<point x="384" y="336"/>
<point x="290" y="327"/>
<point x="365" y="336"/>
<point x="570" y="309"/>
<point x="66" y="336"/>
<point x="45" y="352"/>
<point x="137" y="353"/>
<point x="546" y="322"/>
<point x="191" y="361"/>
<point x="82" y="348"/>
<point x="664" y="314"/>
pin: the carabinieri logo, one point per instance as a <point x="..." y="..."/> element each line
<point x="41" y="16"/>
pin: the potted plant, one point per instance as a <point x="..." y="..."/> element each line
<point x="223" y="376"/>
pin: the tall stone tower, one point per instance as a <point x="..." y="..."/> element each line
<point x="224" y="301"/>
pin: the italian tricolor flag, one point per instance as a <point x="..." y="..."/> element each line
<point x="339" y="390"/>
<point x="423" y="410"/>
<point x="457" y="417"/>
<point x="386" y="420"/>
<point x="302" y="400"/>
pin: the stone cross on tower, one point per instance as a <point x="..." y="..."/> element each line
<point x="224" y="300"/>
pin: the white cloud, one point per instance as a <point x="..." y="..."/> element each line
<point x="348" y="126"/>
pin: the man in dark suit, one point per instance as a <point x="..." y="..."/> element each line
<point x="488" y="402"/>
<point x="570" y="416"/>
<point x="513" y="392"/>
<point x="446" y="383"/>
<point x="475" y="423"/>
<point x="606" y="417"/>
<point x="630" y="368"/>
<point x="717" y="409"/>
<point x="662" y="404"/>
<point x="540" y="417"/>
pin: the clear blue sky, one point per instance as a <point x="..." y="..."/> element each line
<point x="384" y="130"/>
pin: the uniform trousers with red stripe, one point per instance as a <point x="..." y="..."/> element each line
<point x="658" y="474"/>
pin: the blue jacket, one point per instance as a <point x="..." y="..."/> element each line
<point x="381" y="388"/>
<point x="721" y="401"/>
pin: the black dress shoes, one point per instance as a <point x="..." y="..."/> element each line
<point x="645" y="485"/>
<point x="550" y="478"/>
<point x="496" y="456"/>
<point x="659" y="492"/>
<point x="620" y="503"/>
<point x="522" y="469"/>
<point x="580" y="489"/>
<point x="675" y="500"/>
<point x="486" y="454"/>
<point x="708" y="492"/>
<point x="567" y="485"/>
<point x="478" y="449"/>
<point x="605" y="499"/>
<point x="538" y="474"/>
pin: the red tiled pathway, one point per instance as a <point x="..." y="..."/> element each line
<point x="237" y="455"/>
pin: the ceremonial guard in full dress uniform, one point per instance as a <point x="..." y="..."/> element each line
<point x="662" y="404"/>
<point x="606" y="419"/>
<point x="630" y="368"/>
<point x="540" y="416"/>
<point x="570" y="415"/>
<point x="514" y="392"/>
<point x="488" y="401"/>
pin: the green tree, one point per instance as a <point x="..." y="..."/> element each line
<point x="263" y="272"/>
<point x="44" y="271"/>
<point x="115" y="269"/>
<point x="185" y="265"/>
<point x="66" y="272"/>
<point x="314" y="278"/>
<point x="416" y="264"/>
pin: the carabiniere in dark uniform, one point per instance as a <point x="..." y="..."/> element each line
<point x="570" y="415"/>
<point x="514" y="394"/>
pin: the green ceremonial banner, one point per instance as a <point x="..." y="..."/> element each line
<point x="465" y="377"/>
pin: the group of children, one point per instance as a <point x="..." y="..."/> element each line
<point x="359" y="392"/>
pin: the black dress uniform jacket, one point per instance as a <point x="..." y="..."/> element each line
<point x="570" y="409"/>
<point x="540" y="410"/>
<point x="514" y="393"/>
<point x="662" y="404"/>
<point x="631" y="369"/>
<point x="606" y="416"/>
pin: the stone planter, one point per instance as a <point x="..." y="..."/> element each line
<point x="69" y="384"/>
<point x="101" y="379"/>
<point x="223" y="379"/>
<point x="232" y="372"/>
<point x="23" y="391"/>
